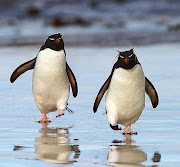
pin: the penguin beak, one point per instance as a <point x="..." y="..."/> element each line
<point x="57" y="40"/>
<point x="126" y="60"/>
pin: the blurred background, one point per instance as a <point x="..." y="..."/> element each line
<point x="90" y="22"/>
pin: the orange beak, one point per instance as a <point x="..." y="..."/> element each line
<point x="57" y="40"/>
<point x="126" y="60"/>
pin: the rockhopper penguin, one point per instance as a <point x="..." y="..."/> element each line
<point x="126" y="87"/>
<point x="52" y="77"/>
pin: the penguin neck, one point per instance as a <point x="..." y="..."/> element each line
<point x="45" y="46"/>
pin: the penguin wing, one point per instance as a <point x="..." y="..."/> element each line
<point x="72" y="80"/>
<point x="22" y="68"/>
<point x="101" y="93"/>
<point x="151" y="92"/>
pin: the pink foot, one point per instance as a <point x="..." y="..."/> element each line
<point x="127" y="130"/>
<point x="44" y="119"/>
<point x="60" y="113"/>
<point x="44" y="125"/>
<point x="128" y="139"/>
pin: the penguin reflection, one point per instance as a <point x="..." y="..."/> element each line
<point x="54" y="146"/>
<point x="126" y="155"/>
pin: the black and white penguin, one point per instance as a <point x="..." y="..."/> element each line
<point x="126" y="87"/>
<point x="52" y="77"/>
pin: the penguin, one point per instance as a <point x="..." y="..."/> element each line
<point x="52" y="77"/>
<point x="126" y="87"/>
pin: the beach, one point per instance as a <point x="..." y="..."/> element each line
<point x="85" y="138"/>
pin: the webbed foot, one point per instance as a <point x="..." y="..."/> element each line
<point x="127" y="130"/>
<point x="60" y="113"/>
<point x="44" y="119"/>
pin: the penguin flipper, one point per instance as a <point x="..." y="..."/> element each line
<point x="151" y="92"/>
<point x="101" y="93"/>
<point x="22" y="68"/>
<point x="72" y="80"/>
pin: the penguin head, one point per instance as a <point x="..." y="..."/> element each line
<point x="126" y="59"/>
<point x="55" y="42"/>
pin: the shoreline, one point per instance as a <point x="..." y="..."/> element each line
<point x="100" y="40"/>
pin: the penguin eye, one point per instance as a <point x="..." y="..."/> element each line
<point x="52" y="39"/>
<point x="122" y="57"/>
<point x="130" y="55"/>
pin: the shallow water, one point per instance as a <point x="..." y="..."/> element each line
<point x="85" y="138"/>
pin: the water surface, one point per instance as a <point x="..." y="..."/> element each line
<point x="85" y="138"/>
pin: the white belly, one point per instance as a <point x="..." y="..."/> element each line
<point x="125" y="99"/>
<point x="51" y="85"/>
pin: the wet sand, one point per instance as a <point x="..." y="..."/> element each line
<point x="85" y="138"/>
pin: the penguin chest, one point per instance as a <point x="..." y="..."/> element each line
<point x="50" y="80"/>
<point x="125" y="98"/>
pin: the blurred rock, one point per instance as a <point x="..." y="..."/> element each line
<point x="120" y="1"/>
<point x="33" y="11"/>
<point x="56" y="22"/>
<point x="93" y="4"/>
<point x="174" y="28"/>
<point x="79" y="21"/>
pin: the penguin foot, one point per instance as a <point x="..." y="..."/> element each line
<point x="44" y="119"/>
<point x="127" y="130"/>
<point x="60" y="113"/>
<point x="129" y="133"/>
<point x="44" y="125"/>
<point x="115" y="127"/>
